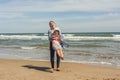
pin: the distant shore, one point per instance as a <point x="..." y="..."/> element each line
<point x="39" y="70"/>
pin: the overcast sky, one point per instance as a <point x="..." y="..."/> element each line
<point x="70" y="15"/>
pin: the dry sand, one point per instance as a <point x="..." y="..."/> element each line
<point x="39" y="70"/>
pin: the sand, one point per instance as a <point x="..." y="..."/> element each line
<point x="39" y="70"/>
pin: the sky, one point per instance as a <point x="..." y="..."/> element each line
<point x="33" y="16"/>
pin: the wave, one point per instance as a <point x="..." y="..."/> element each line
<point x="19" y="47"/>
<point x="74" y="37"/>
<point x="28" y="47"/>
<point x="92" y="38"/>
<point x="90" y="62"/>
<point x="90" y="34"/>
<point x="116" y="35"/>
<point x="23" y="37"/>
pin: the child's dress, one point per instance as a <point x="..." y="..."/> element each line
<point x="56" y="46"/>
<point x="56" y="43"/>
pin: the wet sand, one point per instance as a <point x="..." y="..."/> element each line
<point x="40" y="70"/>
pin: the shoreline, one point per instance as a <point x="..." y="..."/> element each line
<point x="74" y="62"/>
<point x="39" y="70"/>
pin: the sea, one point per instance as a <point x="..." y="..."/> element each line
<point x="95" y="48"/>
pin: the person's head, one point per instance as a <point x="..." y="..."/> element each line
<point x="56" y="33"/>
<point x="52" y="25"/>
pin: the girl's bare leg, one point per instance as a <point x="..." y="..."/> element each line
<point x="60" y="54"/>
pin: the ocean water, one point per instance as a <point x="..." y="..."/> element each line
<point x="89" y="48"/>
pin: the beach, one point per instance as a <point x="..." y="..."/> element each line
<point x="39" y="70"/>
<point x="90" y="56"/>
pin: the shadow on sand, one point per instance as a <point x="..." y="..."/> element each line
<point x="45" y="69"/>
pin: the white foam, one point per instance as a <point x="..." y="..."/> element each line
<point x="22" y="37"/>
<point x="66" y="37"/>
<point x="116" y="35"/>
<point x="91" y="38"/>
<point x="28" y="47"/>
<point x="90" y="62"/>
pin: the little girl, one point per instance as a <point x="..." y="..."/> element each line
<point x="56" y="44"/>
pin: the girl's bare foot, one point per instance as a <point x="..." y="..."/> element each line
<point x="62" y="58"/>
<point x="51" y="70"/>
<point x="58" y="69"/>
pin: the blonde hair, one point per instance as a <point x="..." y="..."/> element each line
<point x="51" y="21"/>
